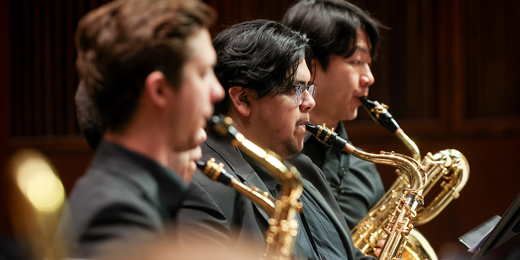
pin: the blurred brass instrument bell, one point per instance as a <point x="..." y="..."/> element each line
<point x="37" y="199"/>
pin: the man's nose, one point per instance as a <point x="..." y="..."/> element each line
<point x="367" y="78"/>
<point x="308" y="102"/>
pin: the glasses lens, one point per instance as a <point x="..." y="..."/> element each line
<point x="299" y="94"/>
<point x="312" y="90"/>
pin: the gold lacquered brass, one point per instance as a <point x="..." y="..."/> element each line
<point x="215" y="171"/>
<point x="448" y="165"/>
<point x="38" y="198"/>
<point x="396" y="221"/>
<point x="283" y="226"/>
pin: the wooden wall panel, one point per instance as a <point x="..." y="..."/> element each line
<point x="491" y="37"/>
<point x="448" y="70"/>
<point x="235" y="11"/>
<point x="5" y="81"/>
<point x="40" y="37"/>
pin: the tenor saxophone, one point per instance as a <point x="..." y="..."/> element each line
<point x="283" y="226"/>
<point x="399" y="225"/>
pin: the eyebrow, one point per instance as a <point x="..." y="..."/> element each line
<point x="362" y="49"/>
<point x="298" y="82"/>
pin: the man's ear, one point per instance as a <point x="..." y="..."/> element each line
<point x="241" y="98"/>
<point x="315" y="64"/>
<point x="155" y="88"/>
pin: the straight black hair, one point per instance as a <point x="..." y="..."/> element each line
<point x="331" y="26"/>
<point x="260" y="55"/>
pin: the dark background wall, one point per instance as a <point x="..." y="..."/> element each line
<point x="448" y="69"/>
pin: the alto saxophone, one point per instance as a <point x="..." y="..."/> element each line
<point x="399" y="225"/>
<point x="283" y="226"/>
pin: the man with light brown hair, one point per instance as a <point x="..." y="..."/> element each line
<point x="147" y="66"/>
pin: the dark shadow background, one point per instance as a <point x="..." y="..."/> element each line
<point x="449" y="70"/>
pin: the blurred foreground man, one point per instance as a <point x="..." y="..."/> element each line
<point x="343" y="39"/>
<point x="183" y="162"/>
<point x="147" y="67"/>
<point x="269" y="93"/>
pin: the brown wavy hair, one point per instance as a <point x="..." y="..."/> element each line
<point x="119" y="44"/>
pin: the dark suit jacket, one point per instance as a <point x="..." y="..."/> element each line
<point x="123" y="196"/>
<point x="222" y="216"/>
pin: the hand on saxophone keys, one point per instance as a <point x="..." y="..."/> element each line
<point x="380" y="244"/>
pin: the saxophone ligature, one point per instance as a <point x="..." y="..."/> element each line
<point x="283" y="226"/>
<point x="399" y="225"/>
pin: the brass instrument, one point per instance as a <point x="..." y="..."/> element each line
<point x="216" y="172"/>
<point x="450" y="165"/>
<point x="38" y="198"/>
<point x="399" y="225"/>
<point x="282" y="211"/>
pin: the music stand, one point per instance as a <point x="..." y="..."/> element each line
<point x="507" y="227"/>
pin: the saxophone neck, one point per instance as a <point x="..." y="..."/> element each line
<point x="216" y="172"/>
<point x="379" y="113"/>
<point x="414" y="170"/>
<point x="414" y="150"/>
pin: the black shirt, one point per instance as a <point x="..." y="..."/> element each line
<point x="355" y="183"/>
<point x="123" y="195"/>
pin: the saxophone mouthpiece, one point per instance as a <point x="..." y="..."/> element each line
<point x="215" y="171"/>
<point x="328" y="137"/>
<point x="312" y="128"/>
<point x="379" y="113"/>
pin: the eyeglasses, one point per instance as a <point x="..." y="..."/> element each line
<point x="300" y="90"/>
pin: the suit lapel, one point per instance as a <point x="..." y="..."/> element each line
<point x="237" y="165"/>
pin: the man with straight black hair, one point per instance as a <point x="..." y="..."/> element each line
<point x="147" y="67"/>
<point x="344" y="40"/>
<point x="269" y="93"/>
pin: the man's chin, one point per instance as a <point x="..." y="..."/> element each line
<point x="352" y="115"/>
<point x="190" y="171"/>
<point x="292" y="148"/>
